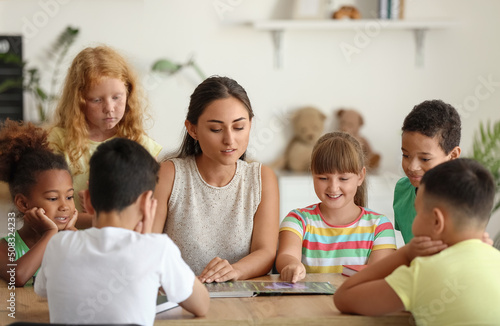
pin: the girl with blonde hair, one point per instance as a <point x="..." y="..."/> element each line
<point x="339" y="230"/>
<point x="101" y="100"/>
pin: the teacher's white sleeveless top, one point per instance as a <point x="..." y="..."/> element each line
<point x="206" y="221"/>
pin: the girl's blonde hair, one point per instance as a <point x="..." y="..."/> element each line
<point x="88" y="68"/>
<point x="339" y="152"/>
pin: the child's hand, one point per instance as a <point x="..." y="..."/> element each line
<point x="71" y="224"/>
<point x="146" y="225"/>
<point x="81" y="195"/>
<point x="38" y="221"/>
<point x="293" y="273"/>
<point x="424" y="246"/>
<point x="486" y="239"/>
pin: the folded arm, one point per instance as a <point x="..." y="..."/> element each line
<point x="367" y="292"/>
<point x="199" y="300"/>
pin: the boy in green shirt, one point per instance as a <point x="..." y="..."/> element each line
<point x="431" y="135"/>
<point x="456" y="279"/>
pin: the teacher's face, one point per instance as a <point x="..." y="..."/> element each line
<point x="223" y="130"/>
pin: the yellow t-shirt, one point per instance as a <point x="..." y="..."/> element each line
<point x="57" y="138"/>
<point x="458" y="286"/>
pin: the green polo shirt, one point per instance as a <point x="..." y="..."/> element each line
<point x="404" y="207"/>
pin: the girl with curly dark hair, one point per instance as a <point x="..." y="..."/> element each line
<point x="41" y="189"/>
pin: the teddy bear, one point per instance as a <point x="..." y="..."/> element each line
<point x="347" y="12"/>
<point x="308" y="125"/>
<point x="350" y="121"/>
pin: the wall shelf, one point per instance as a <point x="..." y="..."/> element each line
<point x="278" y="27"/>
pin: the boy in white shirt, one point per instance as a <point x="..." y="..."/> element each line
<point x="111" y="273"/>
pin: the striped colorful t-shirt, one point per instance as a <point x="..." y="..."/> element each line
<point x="326" y="247"/>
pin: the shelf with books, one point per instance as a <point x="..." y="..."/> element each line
<point x="278" y="27"/>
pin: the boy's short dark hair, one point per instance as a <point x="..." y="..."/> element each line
<point x="120" y="171"/>
<point x="465" y="186"/>
<point x="435" y="118"/>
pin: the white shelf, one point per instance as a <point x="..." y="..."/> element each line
<point x="270" y="25"/>
<point x="419" y="28"/>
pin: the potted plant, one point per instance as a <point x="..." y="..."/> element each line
<point x="486" y="150"/>
<point x="31" y="81"/>
<point x="168" y="67"/>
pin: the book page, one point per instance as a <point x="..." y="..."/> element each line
<point x="250" y="288"/>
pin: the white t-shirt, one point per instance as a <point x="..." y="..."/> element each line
<point x="110" y="275"/>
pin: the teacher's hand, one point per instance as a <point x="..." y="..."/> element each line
<point x="218" y="270"/>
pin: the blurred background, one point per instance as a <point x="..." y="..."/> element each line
<point x="369" y="67"/>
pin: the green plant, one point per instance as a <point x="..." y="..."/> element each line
<point x="486" y="150"/>
<point x="7" y="84"/>
<point x="168" y="67"/>
<point x="31" y="80"/>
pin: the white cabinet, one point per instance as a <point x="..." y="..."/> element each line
<point x="296" y="191"/>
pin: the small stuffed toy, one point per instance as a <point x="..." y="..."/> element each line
<point x="350" y="121"/>
<point x="308" y="125"/>
<point x="348" y="12"/>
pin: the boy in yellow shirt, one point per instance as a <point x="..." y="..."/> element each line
<point x="457" y="282"/>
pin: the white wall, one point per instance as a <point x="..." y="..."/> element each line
<point x="381" y="81"/>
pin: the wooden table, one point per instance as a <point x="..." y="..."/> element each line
<point x="307" y="310"/>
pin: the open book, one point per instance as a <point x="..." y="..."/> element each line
<point x="162" y="303"/>
<point x="253" y="288"/>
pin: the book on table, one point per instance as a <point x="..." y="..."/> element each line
<point x="162" y="303"/>
<point x="350" y="270"/>
<point x="234" y="289"/>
